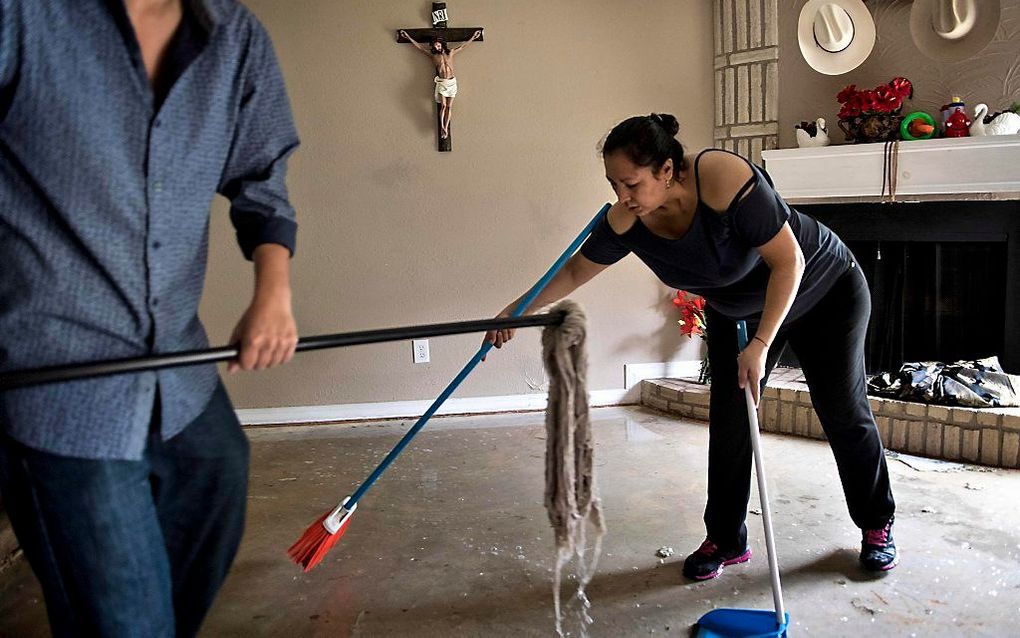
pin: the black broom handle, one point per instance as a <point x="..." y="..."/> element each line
<point x="75" y="371"/>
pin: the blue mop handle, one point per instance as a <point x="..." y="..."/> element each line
<point x="741" y="336"/>
<point x="518" y="311"/>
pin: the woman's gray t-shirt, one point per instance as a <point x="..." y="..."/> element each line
<point x="718" y="257"/>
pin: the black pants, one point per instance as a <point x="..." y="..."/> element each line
<point x="132" y="548"/>
<point x="829" y="342"/>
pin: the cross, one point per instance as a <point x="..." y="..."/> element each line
<point x="439" y="29"/>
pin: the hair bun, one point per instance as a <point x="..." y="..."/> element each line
<point x="666" y="121"/>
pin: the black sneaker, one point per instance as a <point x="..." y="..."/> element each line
<point x="709" y="560"/>
<point x="878" y="550"/>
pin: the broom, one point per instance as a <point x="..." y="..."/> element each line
<point x="323" y="534"/>
<point x="752" y="623"/>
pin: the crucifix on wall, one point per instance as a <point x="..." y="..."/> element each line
<point x="433" y="42"/>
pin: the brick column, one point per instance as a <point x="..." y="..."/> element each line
<point x="746" y="76"/>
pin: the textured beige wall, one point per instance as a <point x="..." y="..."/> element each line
<point x="394" y="233"/>
<point x="992" y="76"/>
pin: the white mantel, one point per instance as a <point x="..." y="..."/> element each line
<point x="939" y="169"/>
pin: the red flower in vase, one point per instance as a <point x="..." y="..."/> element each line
<point x="851" y="109"/>
<point x="846" y="94"/>
<point x="885" y="98"/>
<point x="692" y="314"/>
<point x="902" y="87"/>
<point x="870" y="103"/>
<point x="692" y="322"/>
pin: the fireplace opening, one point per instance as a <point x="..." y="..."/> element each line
<point x="944" y="278"/>
<point x="933" y="301"/>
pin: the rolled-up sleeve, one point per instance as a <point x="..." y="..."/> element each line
<point x="254" y="178"/>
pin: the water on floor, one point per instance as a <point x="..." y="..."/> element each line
<point x="454" y="541"/>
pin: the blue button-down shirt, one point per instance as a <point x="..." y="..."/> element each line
<point x="105" y="191"/>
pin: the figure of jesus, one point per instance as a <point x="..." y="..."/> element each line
<point x="446" y="83"/>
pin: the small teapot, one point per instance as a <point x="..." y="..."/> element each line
<point x="955" y="105"/>
<point x="958" y="124"/>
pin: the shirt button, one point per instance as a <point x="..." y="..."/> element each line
<point x="159" y="187"/>
<point x="155" y="302"/>
<point x="156" y="245"/>
<point x="157" y="123"/>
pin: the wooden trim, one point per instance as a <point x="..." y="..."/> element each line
<point x="456" y="34"/>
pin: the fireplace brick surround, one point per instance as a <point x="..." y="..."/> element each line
<point x="987" y="436"/>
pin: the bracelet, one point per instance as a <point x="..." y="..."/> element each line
<point x="762" y="340"/>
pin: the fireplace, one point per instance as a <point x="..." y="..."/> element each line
<point x="944" y="278"/>
<point x="942" y="258"/>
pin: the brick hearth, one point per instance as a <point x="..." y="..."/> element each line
<point x="986" y="436"/>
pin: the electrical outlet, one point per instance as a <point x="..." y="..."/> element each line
<point x="420" y="350"/>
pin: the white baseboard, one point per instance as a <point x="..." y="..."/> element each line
<point x="414" y="409"/>
<point x="635" y="373"/>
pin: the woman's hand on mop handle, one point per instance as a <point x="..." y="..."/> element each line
<point x="498" y="337"/>
<point x="751" y="366"/>
<point x="575" y="273"/>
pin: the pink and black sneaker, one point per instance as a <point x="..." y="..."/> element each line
<point x="878" y="551"/>
<point x="709" y="559"/>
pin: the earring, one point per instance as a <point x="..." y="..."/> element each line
<point x="669" y="182"/>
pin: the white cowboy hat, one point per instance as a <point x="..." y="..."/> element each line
<point x="951" y="30"/>
<point x="835" y="36"/>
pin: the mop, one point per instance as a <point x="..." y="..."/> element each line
<point x="748" y="623"/>
<point x="323" y="534"/>
<point x="571" y="498"/>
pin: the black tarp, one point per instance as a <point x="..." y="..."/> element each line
<point x="980" y="383"/>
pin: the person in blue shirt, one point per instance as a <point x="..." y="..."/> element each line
<point x="120" y="120"/>
<point x="716" y="227"/>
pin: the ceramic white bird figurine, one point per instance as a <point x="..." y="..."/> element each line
<point x="1005" y="123"/>
<point x="812" y="134"/>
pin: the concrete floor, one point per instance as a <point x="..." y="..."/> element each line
<point x="454" y="541"/>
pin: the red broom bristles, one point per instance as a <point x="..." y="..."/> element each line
<point x="315" y="543"/>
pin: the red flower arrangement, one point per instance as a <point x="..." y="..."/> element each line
<point x="692" y="314"/>
<point x="885" y="98"/>
<point x="692" y="323"/>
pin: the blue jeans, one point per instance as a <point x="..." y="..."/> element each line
<point x="132" y="548"/>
